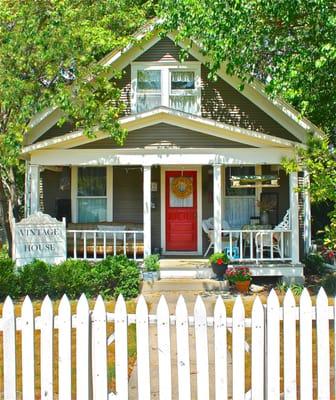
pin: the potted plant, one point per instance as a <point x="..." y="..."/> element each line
<point x="219" y="263"/>
<point x="151" y="268"/>
<point x="241" y="277"/>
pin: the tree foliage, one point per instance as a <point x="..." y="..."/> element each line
<point x="48" y="58"/>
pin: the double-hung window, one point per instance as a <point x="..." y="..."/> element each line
<point x="176" y="86"/>
<point x="92" y="194"/>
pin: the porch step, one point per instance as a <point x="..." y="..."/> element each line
<point x="195" y="268"/>
<point x="178" y="286"/>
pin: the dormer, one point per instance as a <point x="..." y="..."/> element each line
<point x="169" y="84"/>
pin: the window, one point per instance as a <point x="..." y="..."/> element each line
<point x="149" y="89"/>
<point x="183" y="95"/>
<point x="174" y="86"/>
<point x="92" y="194"/>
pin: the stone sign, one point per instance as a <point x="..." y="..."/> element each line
<point x="39" y="236"/>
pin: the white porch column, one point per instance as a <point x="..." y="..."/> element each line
<point x="147" y="210"/>
<point x="306" y="213"/>
<point x="34" y="188"/>
<point x="294" y="214"/>
<point x="217" y="204"/>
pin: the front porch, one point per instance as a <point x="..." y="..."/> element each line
<point x="137" y="213"/>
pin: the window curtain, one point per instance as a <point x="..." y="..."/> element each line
<point x="91" y="210"/>
<point x="187" y="104"/>
<point x="147" y="102"/>
<point x="182" y="80"/>
<point x="149" y="80"/>
<point x="238" y="211"/>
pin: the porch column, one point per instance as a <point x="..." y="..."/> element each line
<point x="217" y="205"/>
<point x="294" y="215"/>
<point x="34" y="188"/>
<point x="306" y="213"/>
<point x="147" y="210"/>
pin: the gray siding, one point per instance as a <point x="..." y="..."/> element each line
<point x="124" y="84"/>
<point x="163" y="50"/>
<point x="221" y="102"/>
<point x="53" y="190"/>
<point x="164" y="136"/>
<point x="127" y="194"/>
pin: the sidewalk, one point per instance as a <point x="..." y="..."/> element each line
<point x="171" y="289"/>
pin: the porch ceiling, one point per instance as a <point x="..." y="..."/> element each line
<point x="172" y="117"/>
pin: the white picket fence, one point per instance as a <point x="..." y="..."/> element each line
<point x="269" y="328"/>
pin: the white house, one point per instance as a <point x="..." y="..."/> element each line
<point x="196" y="149"/>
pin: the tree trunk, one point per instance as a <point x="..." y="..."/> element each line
<point x="4" y="212"/>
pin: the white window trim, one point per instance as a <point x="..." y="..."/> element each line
<point x="109" y="194"/>
<point x="166" y="68"/>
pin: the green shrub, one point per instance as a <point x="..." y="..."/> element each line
<point x="329" y="284"/>
<point x="35" y="280"/>
<point x="72" y="277"/>
<point x="314" y="264"/>
<point x="151" y="263"/>
<point x="114" y="276"/>
<point x="8" y="277"/>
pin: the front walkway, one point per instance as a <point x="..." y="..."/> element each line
<point x="171" y="289"/>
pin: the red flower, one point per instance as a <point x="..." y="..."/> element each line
<point x="219" y="261"/>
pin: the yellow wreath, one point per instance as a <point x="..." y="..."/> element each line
<point x="182" y="187"/>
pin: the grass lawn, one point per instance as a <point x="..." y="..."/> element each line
<point x="131" y="305"/>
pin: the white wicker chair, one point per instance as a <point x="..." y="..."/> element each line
<point x="208" y="228"/>
<point x="267" y="241"/>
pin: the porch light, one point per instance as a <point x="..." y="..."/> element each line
<point x="254" y="181"/>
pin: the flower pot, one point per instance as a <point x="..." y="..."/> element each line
<point x="242" y="286"/>
<point x="219" y="270"/>
<point x="151" y="276"/>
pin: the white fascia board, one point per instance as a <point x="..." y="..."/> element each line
<point x="41" y="124"/>
<point x="229" y="156"/>
<point x="276" y="108"/>
<point x="173" y="117"/>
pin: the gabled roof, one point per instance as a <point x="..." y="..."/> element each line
<point x="173" y="117"/>
<point x="277" y="108"/>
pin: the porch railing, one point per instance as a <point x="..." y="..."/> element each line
<point x="257" y="245"/>
<point x="98" y="244"/>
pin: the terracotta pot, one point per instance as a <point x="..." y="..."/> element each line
<point x="242" y="286"/>
<point x="219" y="270"/>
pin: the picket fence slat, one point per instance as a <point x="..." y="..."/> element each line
<point x="121" y="349"/>
<point x="323" y="348"/>
<point x="163" y="331"/>
<point x="306" y="360"/>
<point x="238" y="350"/>
<point x="202" y="359"/>
<point x="289" y="337"/>
<point x="220" y="337"/>
<point x="28" y="356"/>
<point x="83" y="372"/>
<point x="64" y="349"/>
<point x="142" y="335"/>
<point x="257" y="350"/>
<point x="99" y="351"/>
<point x="8" y="318"/>
<point x="273" y="347"/>
<point x="47" y="331"/>
<point x="182" y="347"/>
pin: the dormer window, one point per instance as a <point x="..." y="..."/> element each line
<point x="175" y="86"/>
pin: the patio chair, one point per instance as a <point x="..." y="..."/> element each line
<point x="208" y="228"/>
<point x="266" y="241"/>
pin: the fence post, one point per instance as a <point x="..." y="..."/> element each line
<point x="64" y="349"/>
<point x="257" y="350"/>
<point x="221" y="373"/>
<point x="9" y="345"/>
<point x="47" y="332"/>
<point x="121" y="348"/>
<point x="28" y="356"/>
<point x="238" y="350"/>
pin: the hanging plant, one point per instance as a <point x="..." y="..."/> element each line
<point x="182" y="187"/>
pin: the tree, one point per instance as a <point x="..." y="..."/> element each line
<point x="48" y="58"/>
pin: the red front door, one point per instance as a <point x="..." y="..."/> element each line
<point x="181" y="210"/>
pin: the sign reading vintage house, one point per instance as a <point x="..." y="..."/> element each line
<point x="39" y="236"/>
